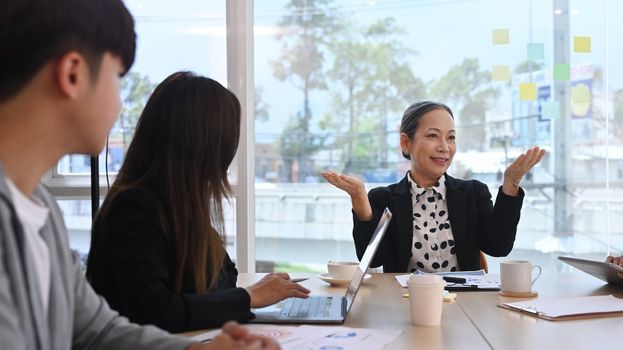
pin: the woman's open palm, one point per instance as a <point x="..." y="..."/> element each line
<point x="520" y="167"/>
<point x="349" y="184"/>
<point x="355" y="189"/>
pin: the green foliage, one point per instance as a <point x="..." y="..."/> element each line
<point x="528" y="66"/>
<point x="297" y="144"/>
<point x="373" y="82"/>
<point x="288" y="267"/>
<point x="465" y="87"/>
<point x="135" y="91"/>
<point x="261" y="108"/>
<point x="305" y="29"/>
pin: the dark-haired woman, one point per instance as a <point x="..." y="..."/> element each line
<point x="440" y="223"/>
<point x="156" y="252"/>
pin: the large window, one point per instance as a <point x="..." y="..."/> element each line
<point x="333" y="78"/>
<point x="172" y="36"/>
<point x="331" y="81"/>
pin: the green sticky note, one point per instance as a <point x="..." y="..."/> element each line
<point x="582" y="44"/>
<point x="500" y="36"/>
<point x="536" y="51"/>
<point x="550" y="110"/>
<point x="562" y="71"/>
<point x="501" y="73"/>
<point x="527" y="91"/>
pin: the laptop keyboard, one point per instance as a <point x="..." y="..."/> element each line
<point x="316" y="307"/>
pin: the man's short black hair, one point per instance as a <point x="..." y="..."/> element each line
<point x="33" y="32"/>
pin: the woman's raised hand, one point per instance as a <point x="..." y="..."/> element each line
<point x="349" y="184"/>
<point x="355" y="189"/>
<point x="273" y="288"/>
<point x="516" y="171"/>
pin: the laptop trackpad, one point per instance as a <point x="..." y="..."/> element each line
<point x="315" y="309"/>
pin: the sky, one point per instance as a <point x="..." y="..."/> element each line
<point x="190" y="35"/>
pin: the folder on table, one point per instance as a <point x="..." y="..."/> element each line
<point x="569" y="308"/>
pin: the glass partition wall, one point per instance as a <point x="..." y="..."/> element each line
<point x="332" y="79"/>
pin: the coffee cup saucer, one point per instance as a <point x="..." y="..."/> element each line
<point x="532" y="294"/>
<point x="339" y="281"/>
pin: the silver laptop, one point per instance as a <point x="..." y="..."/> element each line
<point x="605" y="271"/>
<point x="325" y="309"/>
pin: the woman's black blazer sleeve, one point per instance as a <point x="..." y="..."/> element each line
<point x="497" y="224"/>
<point x="379" y="198"/>
<point x="141" y="282"/>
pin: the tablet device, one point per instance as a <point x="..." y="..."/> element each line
<point x="605" y="271"/>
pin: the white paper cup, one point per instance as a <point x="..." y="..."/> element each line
<point x="425" y="299"/>
<point x="343" y="270"/>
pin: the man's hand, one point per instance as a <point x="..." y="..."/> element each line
<point x="237" y="337"/>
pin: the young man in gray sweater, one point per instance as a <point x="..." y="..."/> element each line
<point x="59" y="94"/>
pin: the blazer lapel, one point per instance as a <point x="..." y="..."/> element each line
<point x="458" y="211"/>
<point x="403" y="216"/>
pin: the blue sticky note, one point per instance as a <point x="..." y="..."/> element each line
<point x="536" y="51"/>
<point x="550" y="110"/>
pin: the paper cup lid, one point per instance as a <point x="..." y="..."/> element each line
<point x="426" y="280"/>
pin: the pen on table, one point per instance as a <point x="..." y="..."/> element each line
<point x="297" y="280"/>
<point x="462" y="286"/>
<point x="451" y="279"/>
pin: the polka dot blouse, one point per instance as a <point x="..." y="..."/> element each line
<point x="432" y="249"/>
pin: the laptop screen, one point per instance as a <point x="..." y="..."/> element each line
<point x="355" y="283"/>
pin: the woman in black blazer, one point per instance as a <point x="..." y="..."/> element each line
<point x="440" y="223"/>
<point x="157" y="254"/>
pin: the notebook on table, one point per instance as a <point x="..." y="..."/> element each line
<point x="605" y="271"/>
<point x="569" y="308"/>
<point x="325" y="309"/>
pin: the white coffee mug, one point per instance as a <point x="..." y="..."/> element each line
<point x="343" y="270"/>
<point x="516" y="276"/>
<point x="425" y="299"/>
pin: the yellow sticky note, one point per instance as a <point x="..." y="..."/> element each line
<point x="582" y="44"/>
<point x="527" y="91"/>
<point x="500" y="36"/>
<point x="501" y="73"/>
<point x="580" y="100"/>
<point x="580" y="94"/>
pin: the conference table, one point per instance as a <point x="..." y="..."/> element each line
<point x="474" y="321"/>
